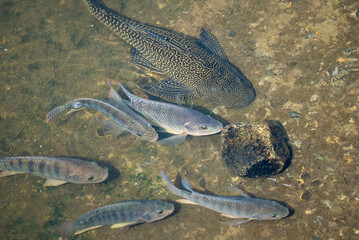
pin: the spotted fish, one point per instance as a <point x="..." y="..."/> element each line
<point x="174" y="119"/>
<point x="119" y="113"/>
<point x="195" y="68"/>
<point x="232" y="207"/>
<point x="118" y="215"/>
<point x="57" y="170"/>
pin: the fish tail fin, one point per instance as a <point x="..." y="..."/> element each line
<point x="186" y="184"/>
<point x="113" y="95"/>
<point x="128" y="94"/>
<point x="67" y="229"/>
<point x="173" y="189"/>
<point x="54" y="113"/>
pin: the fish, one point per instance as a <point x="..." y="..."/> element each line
<point x="196" y="68"/>
<point x="230" y="206"/>
<point x="120" y="113"/>
<point x="178" y="120"/>
<point x="57" y="170"/>
<point x="118" y="215"/>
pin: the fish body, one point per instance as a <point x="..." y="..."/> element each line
<point x="173" y="118"/>
<point x="196" y="68"/>
<point x="232" y="207"/>
<point x="119" y="113"/>
<point x="57" y="170"/>
<point x="119" y="215"/>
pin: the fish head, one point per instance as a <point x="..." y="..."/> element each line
<point x="203" y="126"/>
<point x="147" y="133"/>
<point x="90" y="172"/>
<point x="229" y="87"/>
<point x="75" y="105"/>
<point x="271" y="210"/>
<point x="157" y="209"/>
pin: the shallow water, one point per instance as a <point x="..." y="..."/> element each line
<point x="300" y="56"/>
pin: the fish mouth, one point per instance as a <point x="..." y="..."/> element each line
<point x="104" y="177"/>
<point x="154" y="139"/>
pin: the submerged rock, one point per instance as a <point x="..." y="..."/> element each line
<point x="258" y="149"/>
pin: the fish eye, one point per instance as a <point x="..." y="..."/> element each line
<point x="160" y="211"/>
<point x="273" y="215"/>
<point x="139" y="134"/>
<point x="90" y="177"/>
<point x="77" y="105"/>
<point x="204" y="127"/>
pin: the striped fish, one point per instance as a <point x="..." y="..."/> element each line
<point x="232" y="207"/>
<point x="196" y="68"/>
<point x="174" y="119"/>
<point x="118" y="215"/>
<point x="57" y="170"/>
<point x="121" y="114"/>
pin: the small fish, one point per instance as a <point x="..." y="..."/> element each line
<point x="119" y="113"/>
<point x="118" y="215"/>
<point x="174" y="119"/>
<point x="57" y="170"/>
<point x="196" y="68"/>
<point x="230" y="206"/>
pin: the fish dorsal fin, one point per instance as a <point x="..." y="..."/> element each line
<point x="53" y="182"/>
<point x="186" y="184"/>
<point x="210" y="42"/>
<point x="120" y="225"/>
<point x="171" y="89"/>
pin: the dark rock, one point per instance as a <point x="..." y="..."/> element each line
<point x="256" y="149"/>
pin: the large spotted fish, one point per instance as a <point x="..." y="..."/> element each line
<point x="57" y="170"/>
<point x="195" y="68"/>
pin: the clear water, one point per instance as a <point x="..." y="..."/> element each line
<point x="300" y="56"/>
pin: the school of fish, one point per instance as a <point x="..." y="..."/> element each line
<point x="196" y="68"/>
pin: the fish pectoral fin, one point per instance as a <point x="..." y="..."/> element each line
<point x="173" y="140"/>
<point x="53" y="182"/>
<point x="236" y="222"/>
<point x="211" y="44"/>
<point x="227" y="215"/>
<point x="137" y="58"/>
<point x="120" y="225"/>
<point x="171" y="89"/>
<point x="73" y="110"/>
<point x="9" y="173"/>
<point x="240" y="192"/>
<point x="110" y="127"/>
<point x="186" y="201"/>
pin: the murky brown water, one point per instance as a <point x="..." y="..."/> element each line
<point x="300" y="56"/>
